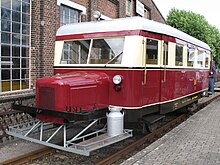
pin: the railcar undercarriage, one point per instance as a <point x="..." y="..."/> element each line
<point x="69" y="137"/>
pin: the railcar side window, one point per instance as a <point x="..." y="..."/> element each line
<point x="207" y="57"/>
<point x="200" y="58"/>
<point x="165" y="53"/>
<point x="152" y="52"/>
<point x="179" y="55"/>
<point x="190" y="56"/>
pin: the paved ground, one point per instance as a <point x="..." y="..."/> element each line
<point x="194" y="142"/>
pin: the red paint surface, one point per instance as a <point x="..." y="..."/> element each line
<point x="92" y="88"/>
<point x="177" y="83"/>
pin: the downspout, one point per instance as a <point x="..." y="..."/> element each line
<point x="119" y="5"/>
<point x="41" y="38"/>
<point x="89" y="10"/>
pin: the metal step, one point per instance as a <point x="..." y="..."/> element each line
<point x="217" y="89"/>
<point x="151" y="119"/>
<point x="75" y="142"/>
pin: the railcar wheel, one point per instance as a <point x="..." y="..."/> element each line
<point x="183" y="110"/>
<point x="192" y="106"/>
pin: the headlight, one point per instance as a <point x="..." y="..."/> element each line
<point x="117" y="79"/>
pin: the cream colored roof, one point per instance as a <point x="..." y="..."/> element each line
<point x="129" y="23"/>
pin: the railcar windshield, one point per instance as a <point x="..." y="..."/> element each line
<point x="93" y="51"/>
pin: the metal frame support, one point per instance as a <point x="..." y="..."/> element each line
<point x="54" y="134"/>
<point x="79" y="143"/>
<point x="80" y="133"/>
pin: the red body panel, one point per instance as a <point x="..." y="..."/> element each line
<point x="73" y="91"/>
<point x="178" y="83"/>
<point x="86" y="89"/>
<point x="130" y="92"/>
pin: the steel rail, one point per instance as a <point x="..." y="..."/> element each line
<point x="132" y="147"/>
<point x="29" y="156"/>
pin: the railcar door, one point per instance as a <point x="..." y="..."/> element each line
<point x="166" y="82"/>
<point x="173" y="81"/>
<point x="151" y="81"/>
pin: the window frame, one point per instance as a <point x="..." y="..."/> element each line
<point x="202" y="65"/>
<point x="15" y="80"/>
<point x="91" y="48"/>
<point x="158" y="51"/>
<point x="209" y="59"/>
<point x="128" y="8"/>
<point x="167" y="54"/>
<point x="67" y="16"/>
<point x="180" y="46"/>
<point x="193" y="63"/>
<point x="73" y="5"/>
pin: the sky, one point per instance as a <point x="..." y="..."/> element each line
<point x="208" y="8"/>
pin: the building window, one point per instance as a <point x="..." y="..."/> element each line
<point x="15" y="45"/>
<point x="69" y="15"/>
<point x="179" y="55"/>
<point x="128" y="7"/>
<point x="152" y="51"/>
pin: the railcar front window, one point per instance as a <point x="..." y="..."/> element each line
<point x="107" y="51"/>
<point x="152" y="51"/>
<point x="94" y="51"/>
<point x="179" y="55"/>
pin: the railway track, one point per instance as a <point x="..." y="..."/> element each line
<point x="121" y="154"/>
<point x="150" y="137"/>
<point x="29" y="156"/>
<point x="9" y="118"/>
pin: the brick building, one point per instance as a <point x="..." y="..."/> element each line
<point x="28" y="29"/>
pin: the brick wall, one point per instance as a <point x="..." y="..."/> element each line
<point x="35" y="40"/>
<point x="43" y="34"/>
<point x="107" y="8"/>
<point x="48" y="38"/>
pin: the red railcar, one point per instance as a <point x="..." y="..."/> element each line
<point x="144" y="67"/>
<point x="160" y="69"/>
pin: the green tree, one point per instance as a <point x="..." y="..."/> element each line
<point x="197" y="26"/>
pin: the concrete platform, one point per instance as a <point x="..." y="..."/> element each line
<point x="194" y="142"/>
